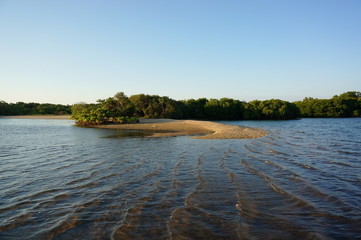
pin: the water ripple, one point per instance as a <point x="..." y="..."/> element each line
<point x="302" y="181"/>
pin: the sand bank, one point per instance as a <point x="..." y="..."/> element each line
<point x="38" y="117"/>
<point x="172" y="128"/>
<point x="207" y="130"/>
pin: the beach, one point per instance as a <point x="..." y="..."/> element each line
<point x="199" y="129"/>
<point x="173" y="128"/>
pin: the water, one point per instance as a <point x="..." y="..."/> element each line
<point x="302" y="181"/>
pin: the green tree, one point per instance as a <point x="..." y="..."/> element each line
<point x="224" y="109"/>
<point x="153" y="106"/>
<point x="351" y="94"/>
<point x="273" y="109"/>
<point x="4" y="108"/>
<point x="194" y="109"/>
<point x="344" y="105"/>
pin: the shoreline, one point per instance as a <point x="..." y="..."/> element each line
<point x="67" y="117"/>
<point x="172" y="128"/>
<point x="203" y="129"/>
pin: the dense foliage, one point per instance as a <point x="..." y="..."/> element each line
<point x="153" y="106"/>
<point x="345" y="105"/>
<point x="21" y="108"/>
<point x="120" y="108"/>
<point x="111" y="110"/>
<point x="273" y="109"/>
<point x="123" y="109"/>
<point x="231" y="109"/>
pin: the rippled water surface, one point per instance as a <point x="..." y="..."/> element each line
<point x="302" y="181"/>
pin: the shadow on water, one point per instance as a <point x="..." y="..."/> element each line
<point x="128" y="133"/>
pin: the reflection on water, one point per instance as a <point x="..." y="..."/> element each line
<point x="128" y="133"/>
<point x="58" y="181"/>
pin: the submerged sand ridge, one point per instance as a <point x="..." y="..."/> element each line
<point x="207" y="129"/>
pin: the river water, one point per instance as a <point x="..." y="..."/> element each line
<point x="302" y="181"/>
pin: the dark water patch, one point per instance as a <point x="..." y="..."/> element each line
<point x="129" y="133"/>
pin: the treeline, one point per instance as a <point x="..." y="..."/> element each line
<point x="121" y="108"/>
<point x="231" y="109"/>
<point x="152" y="106"/>
<point x="344" y="105"/>
<point x="21" y="108"/>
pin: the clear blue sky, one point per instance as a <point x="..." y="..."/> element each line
<point x="69" y="51"/>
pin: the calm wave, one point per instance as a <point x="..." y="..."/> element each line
<point x="302" y="181"/>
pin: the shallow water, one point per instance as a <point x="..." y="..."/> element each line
<point x="302" y="181"/>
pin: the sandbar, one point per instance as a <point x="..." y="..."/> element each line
<point x="202" y="129"/>
<point x="173" y="128"/>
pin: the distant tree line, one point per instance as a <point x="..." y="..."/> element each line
<point x="344" y="105"/>
<point x="21" y="108"/>
<point x="230" y="109"/>
<point x="121" y="109"/>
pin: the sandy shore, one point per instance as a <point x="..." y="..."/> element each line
<point x="172" y="128"/>
<point x="38" y="117"/>
<point x="207" y="130"/>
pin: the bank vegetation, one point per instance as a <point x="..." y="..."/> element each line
<point x="123" y="109"/>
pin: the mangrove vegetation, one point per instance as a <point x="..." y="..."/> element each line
<point x="124" y="109"/>
<point x="21" y="108"/>
<point x="345" y="105"/>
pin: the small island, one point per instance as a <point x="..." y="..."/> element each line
<point x="202" y="129"/>
<point x="121" y="112"/>
<point x="164" y="117"/>
<point x="155" y="112"/>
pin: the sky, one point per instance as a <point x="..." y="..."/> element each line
<point x="80" y="51"/>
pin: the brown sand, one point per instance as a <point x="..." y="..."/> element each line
<point x="38" y="117"/>
<point x="207" y="130"/>
<point x="172" y="128"/>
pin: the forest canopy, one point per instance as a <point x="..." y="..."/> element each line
<point x="21" y="108"/>
<point x="120" y="109"/>
<point x="123" y="109"/>
<point x="344" y="105"/>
